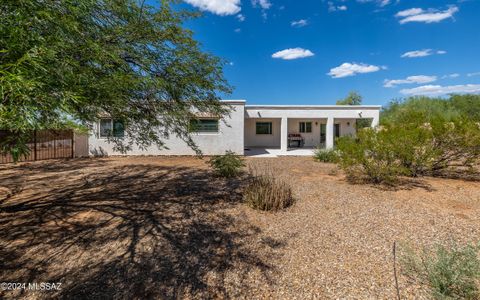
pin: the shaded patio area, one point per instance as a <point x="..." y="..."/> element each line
<point x="276" y="152"/>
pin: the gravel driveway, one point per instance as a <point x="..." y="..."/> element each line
<point x="137" y="228"/>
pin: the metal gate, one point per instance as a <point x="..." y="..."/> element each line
<point x="44" y="144"/>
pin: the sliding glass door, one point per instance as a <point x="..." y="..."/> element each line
<point x="323" y="134"/>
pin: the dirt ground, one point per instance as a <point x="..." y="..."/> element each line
<point x="150" y="227"/>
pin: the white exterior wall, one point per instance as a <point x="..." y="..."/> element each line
<point x="347" y="126"/>
<point x="262" y="140"/>
<point x="229" y="137"/>
<point x="311" y="139"/>
<point x="240" y="131"/>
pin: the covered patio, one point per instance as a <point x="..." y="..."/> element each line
<point x="297" y="130"/>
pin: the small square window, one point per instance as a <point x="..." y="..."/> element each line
<point x="109" y="127"/>
<point x="118" y="128"/>
<point x="105" y="127"/>
<point x="263" y="128"/>
<point x="305" y="127"/>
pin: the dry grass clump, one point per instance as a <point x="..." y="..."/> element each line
<point x="266" y="192"/>
<point x="448" y="272"/>
<point x="228" y="165"/>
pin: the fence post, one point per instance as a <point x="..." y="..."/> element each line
<point x="34" y="144"/>
<point x="54" y="145"/>
<point x="73" y="144"/>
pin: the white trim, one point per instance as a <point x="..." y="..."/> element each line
<point x="303" y="107"/>
<point x="239" y="102"/>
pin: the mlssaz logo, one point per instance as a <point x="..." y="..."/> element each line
<point x="44" y="286"/>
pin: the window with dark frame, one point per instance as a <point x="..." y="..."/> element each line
<point x="263" y="128"/>
<point x="111" y="128"/>
<point x="204" y="125"/>
<point x="305" y="127"/>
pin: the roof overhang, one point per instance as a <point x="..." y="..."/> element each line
<point x="314" y="107"/>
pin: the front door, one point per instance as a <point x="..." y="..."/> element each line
<point x="337" y="130"/>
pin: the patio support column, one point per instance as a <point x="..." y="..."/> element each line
<point x="329" y="133"/>
<point x="375" y="122"/>
<point x="284" y="135"/>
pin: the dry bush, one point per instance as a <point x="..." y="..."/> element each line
<point x="449" y="272"/>
<point x="266" y="192"/>
<point x="325" y="155"/>
<point x="227" y="165"/>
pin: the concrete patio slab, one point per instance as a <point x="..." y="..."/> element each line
<point x="276" y="152"/>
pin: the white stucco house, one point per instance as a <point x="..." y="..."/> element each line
<point x="284" y="128"/>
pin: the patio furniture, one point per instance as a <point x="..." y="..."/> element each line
<point x="295" y="138"/>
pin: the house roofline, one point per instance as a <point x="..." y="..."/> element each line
<point x="282" y="107"/>
<point x="234" y="101"/>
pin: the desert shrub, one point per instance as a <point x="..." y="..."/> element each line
<point x="266" y="192"/>
<point x="438" y="146"/>
<point x="325" y="155"/>
<point x="411" y="146"/>
<point x="227" y="165"/>
<point x="457" y="145"/>
<point x="370" y="156"/>
<point x="449" y="272"/>
<point x="467" y="106"/>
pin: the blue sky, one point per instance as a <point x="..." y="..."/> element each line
<point x="315" y="52"/>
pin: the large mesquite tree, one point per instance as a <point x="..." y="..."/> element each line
<point x="65" y="62"/>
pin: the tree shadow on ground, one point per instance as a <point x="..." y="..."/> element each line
<point x="130" y="232"/>
<point x="402" y="183"/>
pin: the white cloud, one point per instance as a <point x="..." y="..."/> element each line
<point x="430" y="16"/>
<point x="264" y="4"/>
<point x="418" y="79"/>
<point x="238" y="30"/>
<point x="418" y="53"/>
<point x="453" y="75"/>
<point x="219" y="7"/>
<point x="384" y="2"/>
<point x="332" y="7"/>
<point x="409" y="12"/>
<point x="352" y="69"/>
<point x="438" y="90"/>
<point x="473" y="74"/>
<point x="422" y="53"/>
<point x="299" y="23"/>
<point x="241" y="17"/>
<point x="381" y="3"/>
<point x="293" y="53"/>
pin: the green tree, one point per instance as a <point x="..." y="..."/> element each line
<point x="454" y="106"/>
<point x="397" y="110"/>
<point x="353" y="98"/>
<point x="467" y="105"/>
<point x="67" y="62"/>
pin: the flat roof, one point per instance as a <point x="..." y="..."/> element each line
<point x="234" y="101"/>
<point x="354" y="107"/>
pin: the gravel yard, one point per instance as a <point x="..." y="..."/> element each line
<point x="148" y="227"/>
